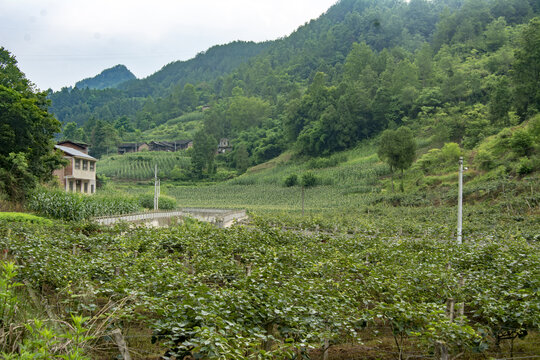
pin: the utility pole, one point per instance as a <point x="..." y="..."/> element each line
<point x="460" y="202"/>
<point x="156" y="190"/>
<point x="302" y="200"/>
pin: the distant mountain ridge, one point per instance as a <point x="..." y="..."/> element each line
<point x="207" y="66"/>
<point x="108" y="78"/>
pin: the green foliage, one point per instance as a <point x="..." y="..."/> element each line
<point x="109" y="78"/>
<point x="308" y="180"/>
<point x="291" y="180"/>
<point x="165" y="202"/>
<point x="513" y="149"/>
<point x="521" y="142"/>
<point x="398" y="149"/>
<point x="526" y="74"/>
<point x="104" y="139"/>
<point x="245" y="112"/>
<point x="42" y="342"/>
<point x="25" y="218"/>
<point x="282" y="291"/>
<point x="457" y="70"/>
<point x="441" y="159"/>
<point x="241" y="158"/>
<point x="8" y="303"/>
<point x="202" y="158"/>
<point x="484" y="160"/>
<point x="525" y="166"/>
<point x="320" y="163"/>
<point x="141" y="165"/>
<point x="70" y="206"/>
<point x="39" y="341"/>
<point x="26" y="132"/>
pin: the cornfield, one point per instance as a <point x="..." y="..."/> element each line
<point x="61" y="205"/>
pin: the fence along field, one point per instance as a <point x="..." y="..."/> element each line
<point x="259" y="292"/>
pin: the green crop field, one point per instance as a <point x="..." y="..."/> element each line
<point x="259" y="292"/>
<point x="141" y="165"/>
<point x="354" y="185"/>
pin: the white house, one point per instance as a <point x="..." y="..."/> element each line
<point x="80" y="174"/>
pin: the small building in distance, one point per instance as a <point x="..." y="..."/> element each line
<point x="155" y="146"/>
<point x="80" y="173"/>
<point x="170" y="145"/>
<point x="224" y="146"/>
<point x="182" y="144"/>
<point x="160" y="146"/>
<point x="132" y="147"/>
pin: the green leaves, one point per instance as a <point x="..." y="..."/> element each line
<point x="261" y="292"/>
<point x="58" y="204"/>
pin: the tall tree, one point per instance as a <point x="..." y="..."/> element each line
<point x="104" y="138"/>
<point x="27" y="132"/>
<point x="527" y="70"/>
<point x="241" y="158"/>
<point x="69" y="131"/>
<point x="204" y="151"/>
<point x="397" y="148"/>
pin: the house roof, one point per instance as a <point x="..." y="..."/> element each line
<point x="181" y="142"/>
<point x="73" y="152"/>
<point x="79" y="143"/>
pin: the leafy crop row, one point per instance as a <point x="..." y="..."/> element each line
<point x="141" y="165"/>
<point x="248" y="292"/>
<point x="68" y="206"/>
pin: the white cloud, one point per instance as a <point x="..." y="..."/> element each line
<point x="58" y="42"/>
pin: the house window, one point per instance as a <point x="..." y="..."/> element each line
<point x="92" y="166"/>
<point x="77" y="163"/>
<point x="85" y="165"/>
<point x="71" y="186"/>
<point x="86" y="187"/>
<point x="92" y="188"/>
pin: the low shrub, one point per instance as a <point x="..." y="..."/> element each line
<point x="484" y="160"/>
<point x="291" y="180"/>
<point x="165" y="202"/>
<point x="525" y="166"/>
<point x="320" y="163"/>
<point x="309" y="180"/>
<point x="23" y="217"/>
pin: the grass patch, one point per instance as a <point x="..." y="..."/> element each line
<point x="24" y="218"/>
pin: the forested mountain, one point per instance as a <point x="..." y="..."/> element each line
<point x="137" y="96"/>
<point x="109" y="78"/>
<point x="461" y="70"/>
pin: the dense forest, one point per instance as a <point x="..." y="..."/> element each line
<point x="462" y="70"/>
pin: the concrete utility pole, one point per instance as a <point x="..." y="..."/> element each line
<point x="302" y="200"/>
<point x="460" y="202"/>
<point x="156" y="190"/>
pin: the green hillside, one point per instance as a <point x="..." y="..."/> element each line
<point x="454" y="73"/>
<point x="109" y="78"/>
<point x="353" y="188"/>
<point x="159" y="95"/>
<point x="141" y="166"/>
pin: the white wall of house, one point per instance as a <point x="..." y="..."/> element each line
<point x="83" y="179"/>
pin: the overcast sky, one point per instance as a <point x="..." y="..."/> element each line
<point x="59" y="42"/>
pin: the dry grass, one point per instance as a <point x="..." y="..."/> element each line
<point x="6" y="205"/>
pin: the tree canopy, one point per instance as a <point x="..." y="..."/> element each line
<point x="27" y="132"/>
<point x="398" y="149"/>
